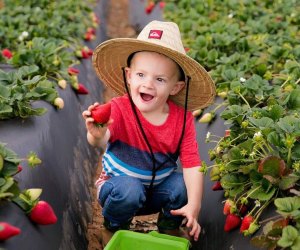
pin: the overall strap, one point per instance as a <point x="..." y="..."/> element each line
<point x="154" y="168"/>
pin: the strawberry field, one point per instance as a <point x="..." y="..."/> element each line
<point x="249" y="139"/>
<point x="252" y="50"/>
<point x="46" y="80"/>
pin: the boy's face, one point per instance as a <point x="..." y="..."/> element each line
<point x="152" y="78"/>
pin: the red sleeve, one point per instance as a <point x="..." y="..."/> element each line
<point x="189" y="153"/>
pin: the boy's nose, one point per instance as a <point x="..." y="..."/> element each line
<point x="148" y="83"/>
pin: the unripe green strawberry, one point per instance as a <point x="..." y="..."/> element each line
<point x="223" y="94"/>
<point x="59" y="103"/>
<point x="101" y="113"/>
<point x="228" y="204"/>
<point x="62" y="83"/>
<point x="7" y="231"/>
<point x="34" y="193"/>
<point x="197" y="112"/>
<point x="43" y="214"/>
<point x="206" y="118"/>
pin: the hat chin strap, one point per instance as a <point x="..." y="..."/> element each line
<point x="154" y="168"/>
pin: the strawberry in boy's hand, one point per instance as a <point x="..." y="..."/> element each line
<point x="7" y="231"/>
<point x="43" y="214"/>
<point x="101" y="113"/>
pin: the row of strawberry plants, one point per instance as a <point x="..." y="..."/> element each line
<point x="252" y="52"/>
<point x="40" y="41"/>
<point x="48" y="37"/>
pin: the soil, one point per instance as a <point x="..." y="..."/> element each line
<point x="117" y="26"/>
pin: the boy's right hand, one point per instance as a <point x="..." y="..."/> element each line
<point x="97" y="132"/>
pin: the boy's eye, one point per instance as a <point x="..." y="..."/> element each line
<point x="140" y="74"/>
<point x="161" y="80"/>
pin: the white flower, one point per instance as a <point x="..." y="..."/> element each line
<point x="257" y="203"/>
<point x="252" y="154"/>
<point x="20" y="38"/>
<point x="230" y="15"/>
<point x="208" y="135"/>
<point x="257" y="136"/>
<point x="242" y="79"/>
<point x="25" y="34"/>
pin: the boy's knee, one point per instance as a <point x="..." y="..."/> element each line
<point x="126" y="190"/>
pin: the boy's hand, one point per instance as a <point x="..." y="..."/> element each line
<point x="191" y="218"/>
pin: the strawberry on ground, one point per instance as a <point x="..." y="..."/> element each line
<point x="232" y="221"/>
<point x="7" y="231"/>
<point x="217" y="186"/>
<point x="248" y="219"/>
<point x="42" y="213"/>
<point x="101" y="113"/>
<point x="82" y="90"/>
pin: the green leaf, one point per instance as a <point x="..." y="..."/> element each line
<point x="272" y="166"/>
<point x="264" y="122"/>
<point x="8" y="183"/>
<point x="294" y="99"/>
<point x="287" y="205"/>
<point x="289" y="181"/>
<point x="289" y="235"/>
<point x="232" y="180"/>
<point x="276" y="112"/>
<point x="261" y="194"/>
<point x="4" y="91"/>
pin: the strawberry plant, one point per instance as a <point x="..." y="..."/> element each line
<point x="20" y="88"/>
<point x="9" y="167"/>
<point x="28" y="200"/>
<point x="251" y="50"/>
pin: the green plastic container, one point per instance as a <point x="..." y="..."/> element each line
<point x="128" y="240"/>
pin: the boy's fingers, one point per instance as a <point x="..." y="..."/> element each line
<point x="86" y="114"/>
<point x="177" y="212"/>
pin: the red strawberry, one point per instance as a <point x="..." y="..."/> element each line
<point x="73" y="71"/>
<point x="149" y="8"/>
<point x="101" y="113"/>
<point x="7" y="231"/>
<point x="232" y="222"/>
<point x="7" y="53"/>
<point x="82" y="90"/>
<point x="85" y="54"/>
<point x="91" y="30"/>
<point x="43" y="214"/>
<point x="248" y="219"/>
<point x="162" y="4"/>
<point x="243" y="209"/>
<point x="227" y="206"/>
<point x="217" y="186"/>
<point x="20" y="168"/>
<point x="227" y="133"/>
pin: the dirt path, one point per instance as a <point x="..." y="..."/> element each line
<point x="117" y="26"/>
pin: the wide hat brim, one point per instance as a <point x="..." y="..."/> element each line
<point x="111" y="56"/>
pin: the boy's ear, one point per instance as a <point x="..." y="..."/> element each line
<point x="178" y="86"/>
<point x="127" y="73"/>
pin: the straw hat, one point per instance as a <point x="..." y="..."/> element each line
<point x="162" y="37"/>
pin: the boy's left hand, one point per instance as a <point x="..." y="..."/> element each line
<point x="191" y="218"/>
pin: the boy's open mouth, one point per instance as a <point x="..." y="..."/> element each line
<point x="146" y="97"/>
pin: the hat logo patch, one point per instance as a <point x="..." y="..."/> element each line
<point x="155" y="34"/>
